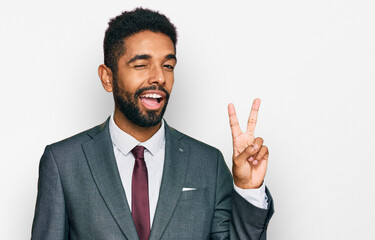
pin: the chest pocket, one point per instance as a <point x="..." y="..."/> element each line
<point x="198" y="194"/>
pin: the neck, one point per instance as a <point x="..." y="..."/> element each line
<point x="142" y="134"/>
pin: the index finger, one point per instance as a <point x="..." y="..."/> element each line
<point x="233" y="121"/>
<point x="251" y="123"/>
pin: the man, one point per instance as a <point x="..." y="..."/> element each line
<point x="135" y="177"/>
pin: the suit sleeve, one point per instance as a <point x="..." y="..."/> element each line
<point x="50" y="219"/>
<point x="249" y="221"/>
<point x="234" y="217"/>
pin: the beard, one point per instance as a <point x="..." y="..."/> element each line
<point x="128" y="104"/>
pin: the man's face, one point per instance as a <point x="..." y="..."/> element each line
<point x="145" y="78"/>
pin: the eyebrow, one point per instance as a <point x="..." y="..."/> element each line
<point x="146" y="56"/>
<point x="171" y="56"/>
<point x="137" y="57"/>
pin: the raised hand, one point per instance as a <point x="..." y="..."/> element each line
<point x="250" y="156"/>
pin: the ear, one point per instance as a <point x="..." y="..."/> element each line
<point x="106" y="77"/>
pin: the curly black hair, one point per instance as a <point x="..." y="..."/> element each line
<point x="128" y="24"/>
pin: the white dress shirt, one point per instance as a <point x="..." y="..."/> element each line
<point x="154" y="154"/>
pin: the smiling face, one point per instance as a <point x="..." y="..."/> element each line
<point x="144" y="78"/>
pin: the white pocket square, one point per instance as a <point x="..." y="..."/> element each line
<point x="188" y="189"/>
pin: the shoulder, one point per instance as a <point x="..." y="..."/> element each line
<point x="74" y="142"/>
<point x="193" y="143"/>
<point x="197" y="149"/>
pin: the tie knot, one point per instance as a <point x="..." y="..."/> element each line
<point x="138" y="152"/>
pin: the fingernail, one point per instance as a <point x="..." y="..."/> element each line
<point x="255" y="146"/>
<point x="251" y="159"/>
<point x="255" y="162"/>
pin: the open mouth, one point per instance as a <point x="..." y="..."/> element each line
<point x="152" y="100"/>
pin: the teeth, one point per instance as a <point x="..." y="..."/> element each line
<point x="152" y="95"/>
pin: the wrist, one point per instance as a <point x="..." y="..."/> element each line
<point x="246" y="184"/>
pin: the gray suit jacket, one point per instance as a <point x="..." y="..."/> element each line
<point x="80" y="194"/>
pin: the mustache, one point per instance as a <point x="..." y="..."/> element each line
<point x="154" y="87"/>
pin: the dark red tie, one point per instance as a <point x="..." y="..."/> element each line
<point x="140" y="205"/>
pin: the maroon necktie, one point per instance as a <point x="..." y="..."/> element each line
<point x="140" y="205"/>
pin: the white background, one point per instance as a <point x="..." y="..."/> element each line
<point x="311" y="62"/>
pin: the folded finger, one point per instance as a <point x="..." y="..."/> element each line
<point x="262" y="153"/>
<point x="257" y="144"/>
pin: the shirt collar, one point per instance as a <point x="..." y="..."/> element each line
<point x="125" y="142"/>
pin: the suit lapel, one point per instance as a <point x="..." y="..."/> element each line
<point x="175" y="166"/>
<point x="103" y="166"/>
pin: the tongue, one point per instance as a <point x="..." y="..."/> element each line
<point x="149" y="101"/>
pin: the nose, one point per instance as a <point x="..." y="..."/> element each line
<point x="157" y="75"/>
